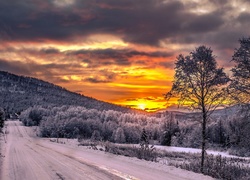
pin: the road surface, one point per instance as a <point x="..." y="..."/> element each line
<point x="29" y="157"/>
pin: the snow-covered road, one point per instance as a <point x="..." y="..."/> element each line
<point x="30" y="158"/>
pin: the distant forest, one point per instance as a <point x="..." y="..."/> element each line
<point x="228" y="129"/>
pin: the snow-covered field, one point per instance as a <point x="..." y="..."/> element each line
<point x="28" y="157"/>
<point x="194" y="150"/>
<point x="185" y="150"/>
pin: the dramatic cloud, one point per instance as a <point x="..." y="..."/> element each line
<point x="141" y="21"/>
<point x="116" y="50"/>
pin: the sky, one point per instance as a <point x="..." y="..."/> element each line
<point x="118" y="51"/>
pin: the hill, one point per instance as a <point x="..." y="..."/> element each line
<point x="19" y="93"/>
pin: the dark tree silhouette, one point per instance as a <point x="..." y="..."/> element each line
<point x="198" y="84"/>
<point x="240" y="85"/>
<point x="1" y="118"/>
<point x="144" y="137"/>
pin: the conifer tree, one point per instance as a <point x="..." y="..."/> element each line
<point x="144" y="137"/>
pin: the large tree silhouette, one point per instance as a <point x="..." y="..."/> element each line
<point x="198" y="84"/>
<point x="240" y="86"/>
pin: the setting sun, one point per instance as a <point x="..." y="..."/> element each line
<point x="142" y="106"/>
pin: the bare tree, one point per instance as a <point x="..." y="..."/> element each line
<point x="198" y="84"/>
<point x="240" y="85"/>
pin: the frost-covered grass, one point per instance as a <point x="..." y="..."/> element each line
<point x="219" y="166"/>
<point x="143" y="152"/>
<point x="243" y="152"/>
<point x="216" y="166"/>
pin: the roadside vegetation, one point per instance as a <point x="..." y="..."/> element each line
<point x="215" y="166"/>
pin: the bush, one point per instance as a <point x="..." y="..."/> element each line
<point x="35" y="116"/>
<point x="243" y="152"/>
<point x="32" y="116"/>
<point x="219" y="167"/>
<point x="143" y="152"/>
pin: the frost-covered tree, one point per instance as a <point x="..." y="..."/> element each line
<point x="144" y="137"/>
<point x="240" y="85"/>
<point x="96" y="136"/>
<point x="198" y="84"/>
<point x="239" y="135"/>
<point x="132" y="133"/>
<point x="119" y="136"/>
<point x="170" y="128"/>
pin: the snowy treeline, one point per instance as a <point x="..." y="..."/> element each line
<point x="72" y="122"/>
<point x="79" y="122"/>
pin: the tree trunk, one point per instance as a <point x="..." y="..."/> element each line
<point x="203" y="145"/>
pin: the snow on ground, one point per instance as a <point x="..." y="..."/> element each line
<point x="189" y="150"/>
<point x="138" y="169"/>
<point x="28" y="157"/>
<point x="194" y="150"/>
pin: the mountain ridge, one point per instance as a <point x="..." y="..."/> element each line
<point x="21" y="92"/>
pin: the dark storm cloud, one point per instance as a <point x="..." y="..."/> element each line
<point x="118" y="54"/>
<point x="141" y="21"/>
<point x="104" y="76"/>
<point x="169" y="65"/>
<point x="93" y="58"/>
<point x="146" y="22"/>
<point x="203" y="23"/>
<point x="59" y="66"/>
<point x="27" y="69"/>
<point x="50" y="51"/>
<point x="104" y="57"/>
<point x="244" y="18"/>
<point x="14" y="66"/>
<point x="107" y="74"/>
<point x="114" y="53"/>
<point x="141" y="62"/>
<point x="40" y="70"/>
<point x="86" y="61"/>
<point x="96" y="80"/>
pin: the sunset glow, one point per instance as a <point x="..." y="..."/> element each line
<point x="121" y="52"/>
<point x="142" y="106"/>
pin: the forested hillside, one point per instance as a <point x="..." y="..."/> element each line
<point x="19" y="93"/>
